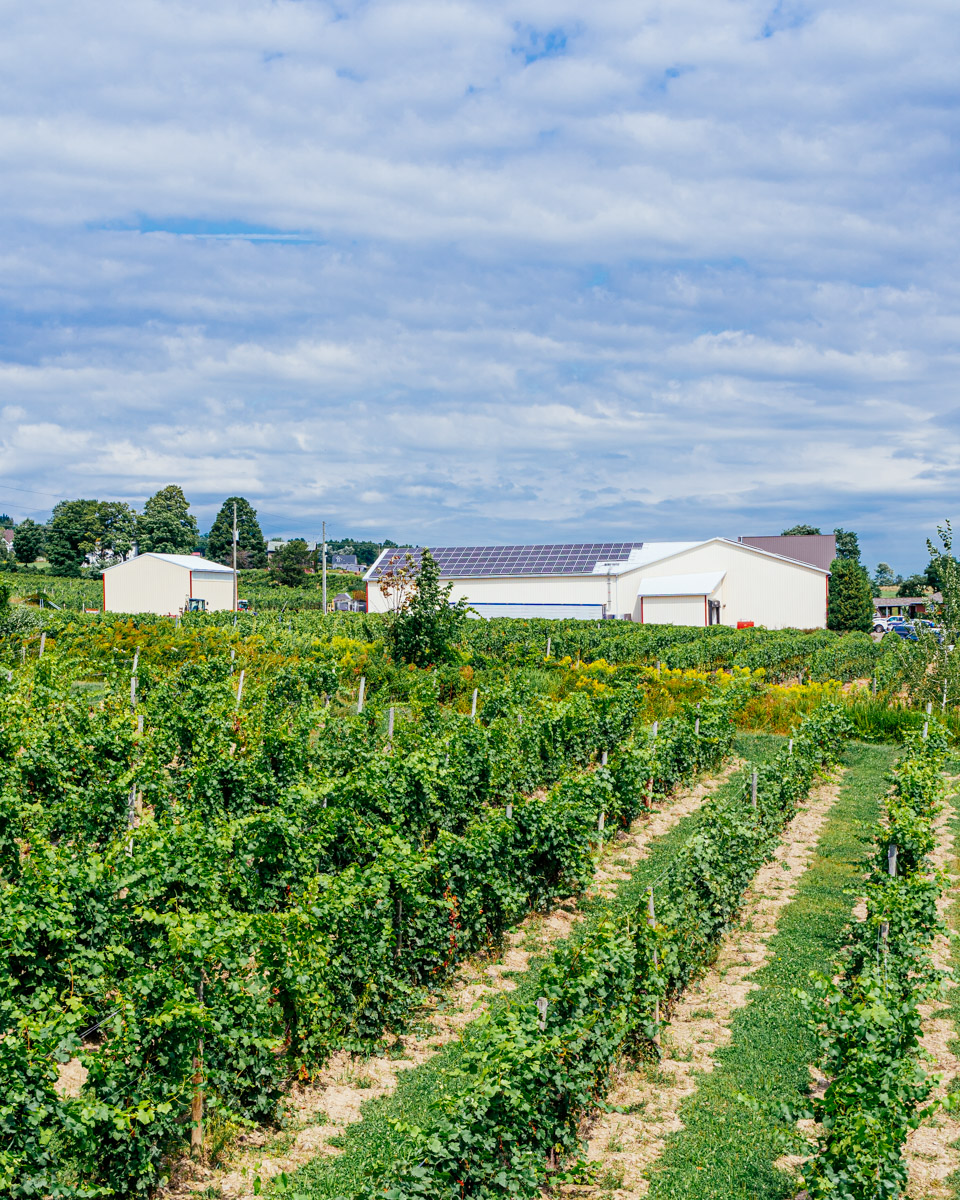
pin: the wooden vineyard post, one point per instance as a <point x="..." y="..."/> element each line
<point x="753" y="789"/>
<point x="509" y="811"/>
<point x="874" y="683"/>
<point x="652" y="921"/>
<point x="655" y="730"/>
<point x="696" y="727"/>
<point x="196" y="1101"/>
<point x="233" y="657"/>
<point x="362" y="688"/>
<point x="239" y="691"/>
<point x="790" y="746"/>
<point x="926" y="730"/>
<point x="133" y="693"/>
<point x="390" y="725"/>
<point x="140" y="723"/>
<point x="943" y="703"/>
<point x="542" y="1005"/>
<point x="548" y="647"/>
<point x="43" y="642"/>
<point x="603" y="758"/>
<point x="600" y="824"/>
<point x="473" y="704"/>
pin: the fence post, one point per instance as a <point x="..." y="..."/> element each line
<point x="239" y="691"/>
<point x="655" y="730"/>
<point x="753" y="789"/>
<point x="926" y="729"/>
<point x="473" y="703"/>
<point x="390" y="724"/>
<point x="548" y="647"/>
<point x="603" y="758"/>
<point x="43" y="642"/>
<point x="542" y="1011"/>
<point x="509" y="811"/>
<point x="196" y="1101"/>
<point x="363" y="684"/>
<point x="892" y="858"/>
<point x="140" y="723"/>
<point x="696" y="727"/>
<point x="133" y="692"/>
<point x="652" y="921"/>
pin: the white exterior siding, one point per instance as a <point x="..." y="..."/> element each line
<point x="674" y="610"/>
<point x="151" y="584"/>
<point x="757" y="587"/>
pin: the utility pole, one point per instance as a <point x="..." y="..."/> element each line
<point x="236" y="588"/>
<point x="324" y="565"/>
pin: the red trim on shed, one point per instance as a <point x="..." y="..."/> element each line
<point x="706" y="611"/>
<point x="641" y="610"/>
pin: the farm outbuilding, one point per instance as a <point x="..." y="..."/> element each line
<point x="717" y="581"/>
<point x="167" y="584"/>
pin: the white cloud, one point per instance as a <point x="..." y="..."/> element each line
<point x="692" y="269"/>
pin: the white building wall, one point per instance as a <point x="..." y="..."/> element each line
<point x="758" y="587"/>
<point x="145" y="585"/>
<point x="527" y="590"/>
<point x="216" y="587"/>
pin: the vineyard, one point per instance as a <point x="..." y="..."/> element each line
<point x="240" y="852"/>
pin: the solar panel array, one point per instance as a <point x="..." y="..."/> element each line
<point x="471" y="561"/>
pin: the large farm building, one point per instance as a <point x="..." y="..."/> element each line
<point x="713" y="582"/>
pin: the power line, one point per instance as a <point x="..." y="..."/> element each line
<point x="10" y="487"/>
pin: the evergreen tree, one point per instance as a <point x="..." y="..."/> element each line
<point x="250" y="542"/>
<point x="28" y="539"/>
<point x="800" y="531"/>
<point x="884" y="576"/>
<point x="850" y="604"/>
<point x="166" y="525"/>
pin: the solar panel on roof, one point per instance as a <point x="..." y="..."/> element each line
<point x="472" y="561"/>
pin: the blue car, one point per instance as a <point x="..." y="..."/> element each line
<point x="911" y="630"/>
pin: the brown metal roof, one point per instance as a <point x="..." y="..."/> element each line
<point x="817" y="549"/>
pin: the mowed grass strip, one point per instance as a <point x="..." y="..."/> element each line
<point x="728" y="1146"/>
<point x="370" y="1145"/>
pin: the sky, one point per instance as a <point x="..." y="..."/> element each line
<point x="452" y="272"/>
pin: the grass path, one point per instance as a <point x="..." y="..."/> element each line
<point x="732" y="1133"/>
<point x="626" y="1143"/>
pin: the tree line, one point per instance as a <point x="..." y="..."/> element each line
<point x="93" y="534"/>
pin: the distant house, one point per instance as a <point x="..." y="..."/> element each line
<point x="344" y="602"/>
<point x="345" y="562"/>
<point x="8" y="540"/>
<point x="910" y="607"/>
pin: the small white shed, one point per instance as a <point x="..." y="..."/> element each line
<point x="167" y="584"/>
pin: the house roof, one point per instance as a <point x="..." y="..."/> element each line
<point x="702" y="583"/>
<point x="190" y="562"/>
<point x="817" y="549"/>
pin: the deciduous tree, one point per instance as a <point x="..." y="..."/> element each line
<point x="166" y="525"/>
<point x="800" y="531"/>
<point x="289" y="564"/>
<point x="28" y="539"/>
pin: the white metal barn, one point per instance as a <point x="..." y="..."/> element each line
<point x="714" y="582"/>
<point x="166" y="584"/>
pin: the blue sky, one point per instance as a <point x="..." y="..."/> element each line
<point x="486" y="271"/>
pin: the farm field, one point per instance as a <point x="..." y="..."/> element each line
<point x="236" y="889"/>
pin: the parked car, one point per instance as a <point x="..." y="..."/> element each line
<point x="911" y="630"/>
<point x="885" y="624"/>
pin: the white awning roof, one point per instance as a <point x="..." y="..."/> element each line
<point x="702" y="584"/>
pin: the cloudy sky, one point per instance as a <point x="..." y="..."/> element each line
<point x="486" y="270"/>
